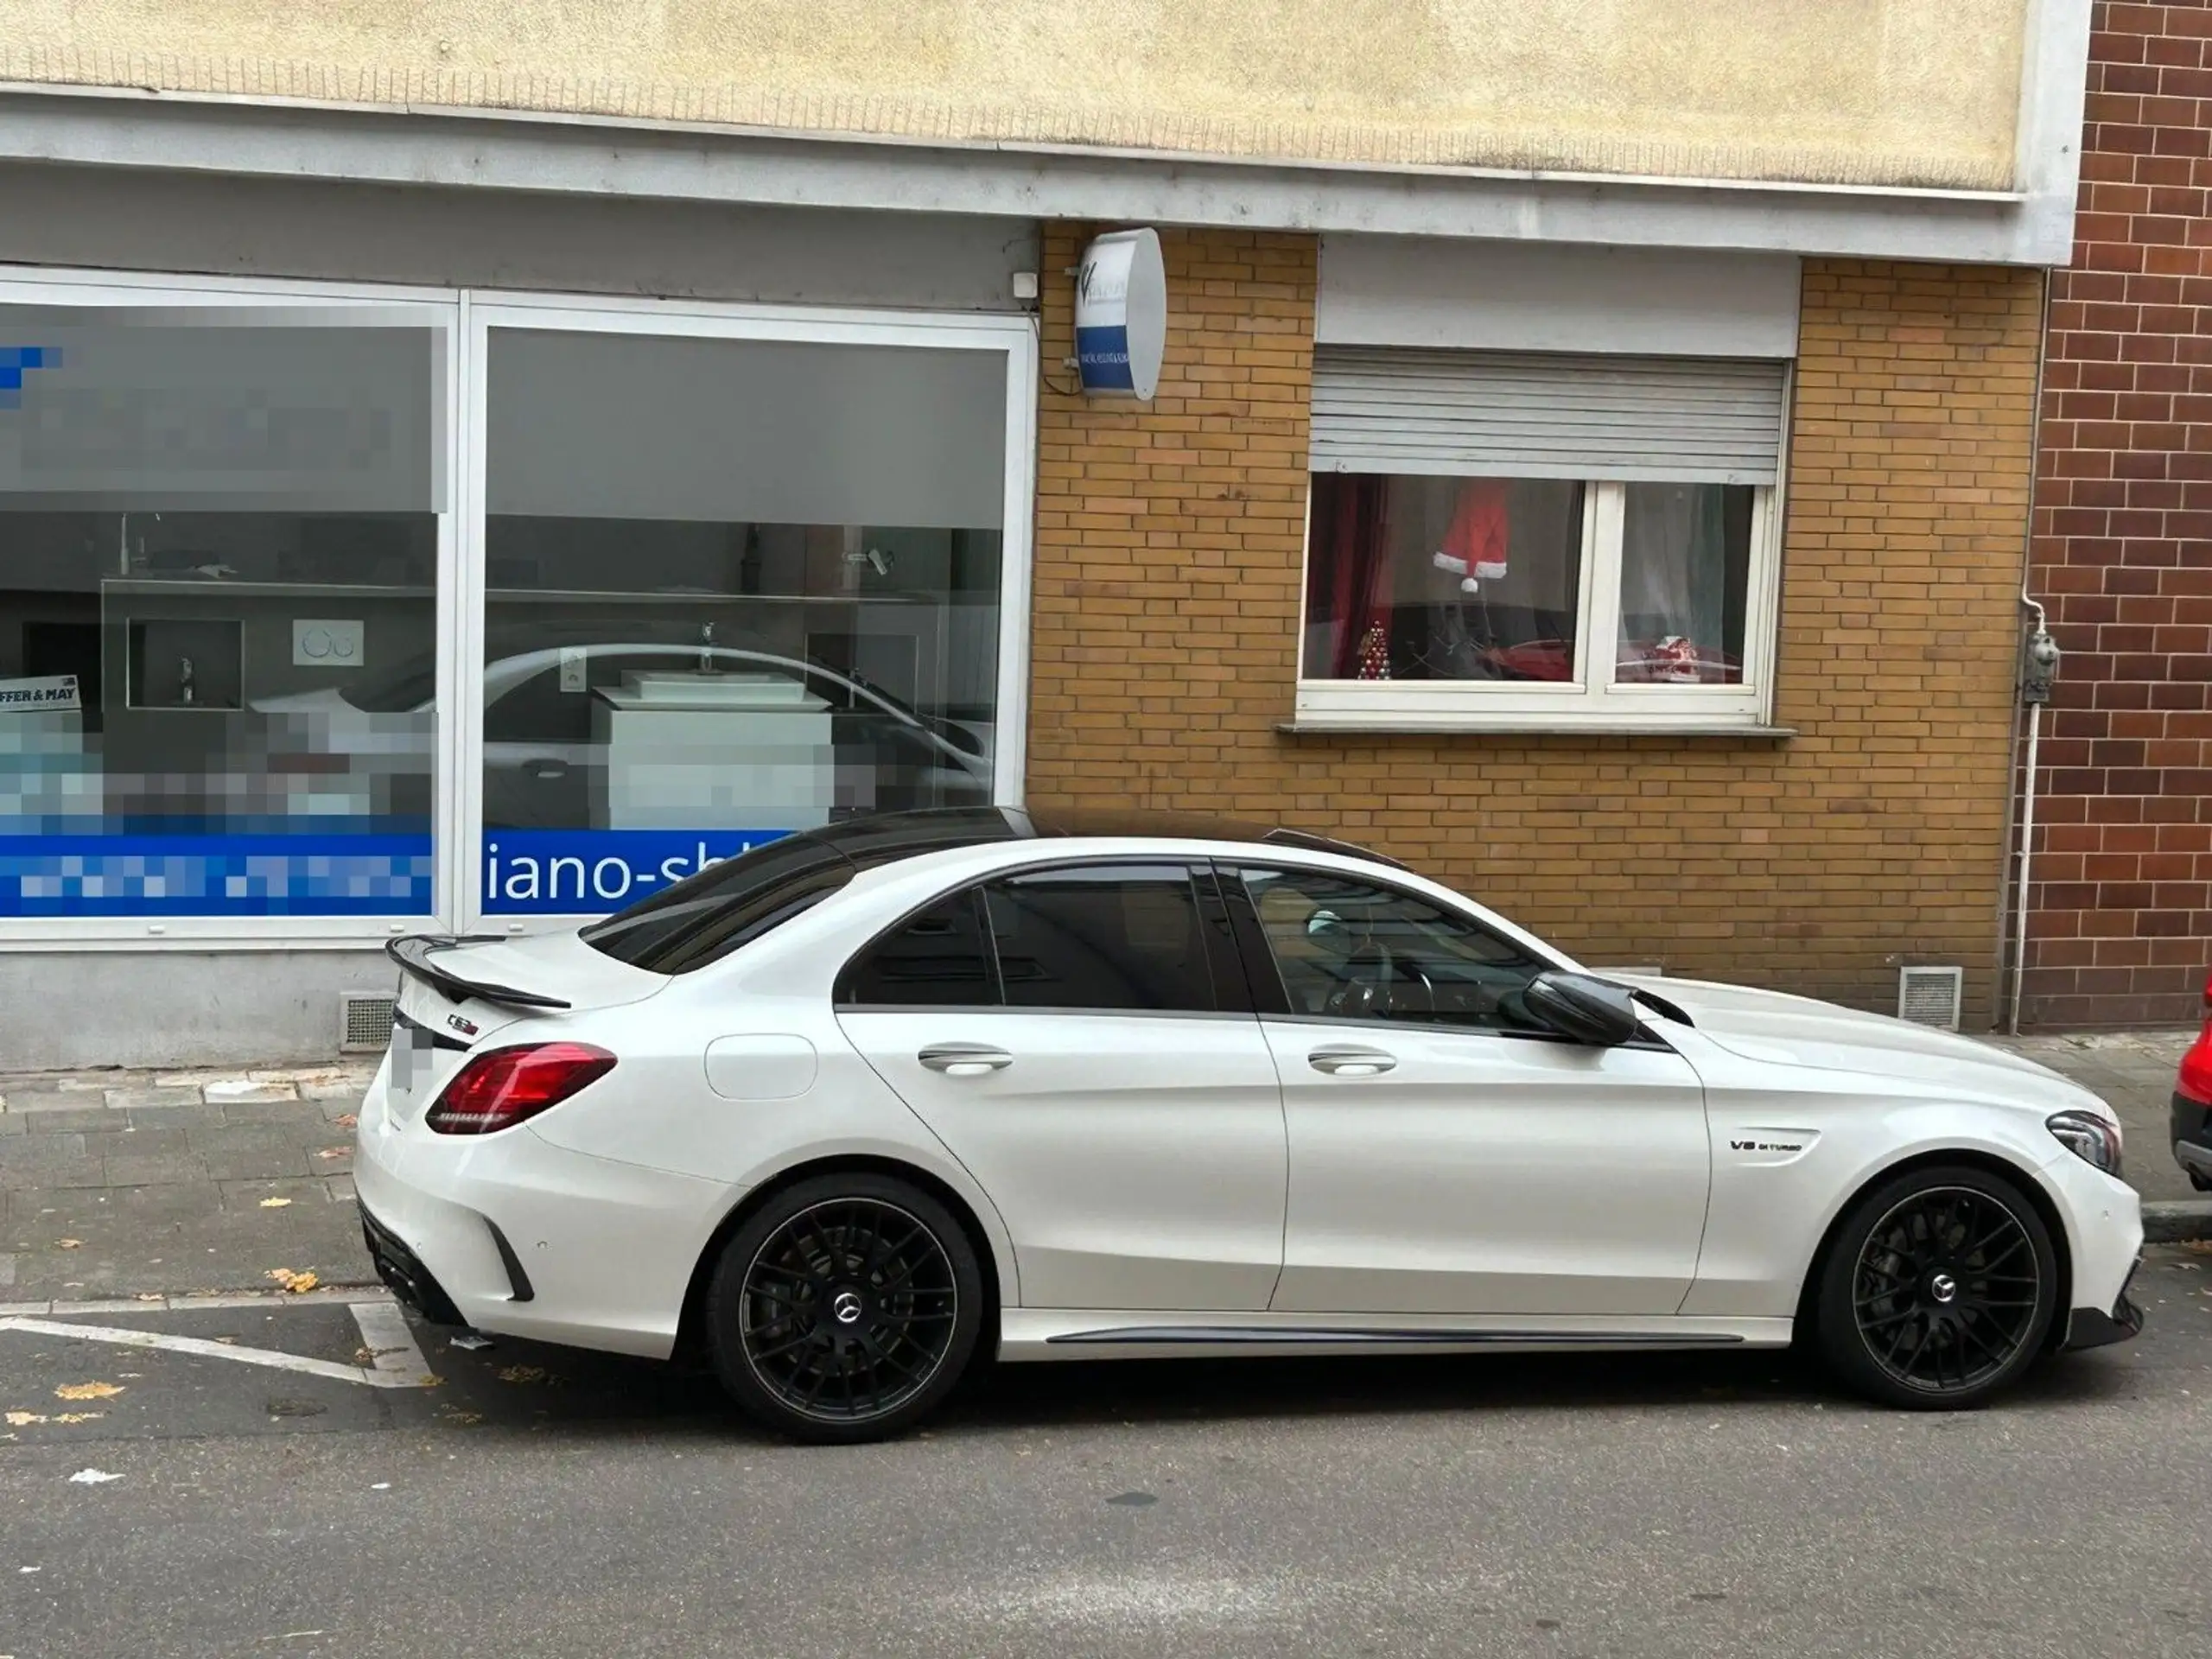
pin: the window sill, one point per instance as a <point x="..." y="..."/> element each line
<point x="1528" y="726"/>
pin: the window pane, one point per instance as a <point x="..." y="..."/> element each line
<point x="1349" y="950"/>
<point x="1109" y="938"/>
<point x="707" y="916"/>
<point x="940" y="959"/>
<point x="1686" y="560"/>
<point x="216" y="530"/>
<point x="1443" y="578"/>
<point x="735" y="588"/>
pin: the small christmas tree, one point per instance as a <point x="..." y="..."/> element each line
<point x="1375" y="654"/>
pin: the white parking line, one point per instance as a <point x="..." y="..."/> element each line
<point x="394" y="1368"/>
<point x="391" y="1342"/>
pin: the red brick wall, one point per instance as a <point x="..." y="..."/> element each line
<point x="2120" y="929"/>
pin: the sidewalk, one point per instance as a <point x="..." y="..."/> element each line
<point x="127" y="1183"/>
<point x="141" y="1183"/>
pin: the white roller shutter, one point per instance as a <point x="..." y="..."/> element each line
<point x="1541" y="415"/>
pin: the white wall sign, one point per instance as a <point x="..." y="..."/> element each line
<point x="1121" y="314"/>
<point x="40" y="696"/>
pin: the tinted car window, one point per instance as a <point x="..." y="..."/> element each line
<point x="705" y="917"/>
<point x="1347" y="949"/>
<point x="940" y="958"/>
<point x="1119" y="936"/>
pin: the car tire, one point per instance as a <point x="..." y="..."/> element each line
<point x="1939" y="1290"/>
<point x="845" y="1308"/>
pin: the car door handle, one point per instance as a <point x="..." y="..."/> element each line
<point x="964" y="1059"/>
<point x="1352" y="1062"/>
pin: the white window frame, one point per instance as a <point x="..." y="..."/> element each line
<point x="1590" y="700"/>
<point x="439" y="310"/>
<point x="464" y="316"/>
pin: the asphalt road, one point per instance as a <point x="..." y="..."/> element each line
<point x="538" y="1502"/>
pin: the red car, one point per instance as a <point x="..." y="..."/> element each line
<point x="2193" y="1105"/>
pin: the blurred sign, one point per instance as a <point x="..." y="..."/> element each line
<point x="38" y="696"/>
<point x="1121" y="314"/>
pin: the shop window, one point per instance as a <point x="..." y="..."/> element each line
<point x="736" y="588"/>
<point x="219" y="539"/>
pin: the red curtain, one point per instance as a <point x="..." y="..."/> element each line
<point x="1349" y="583"/>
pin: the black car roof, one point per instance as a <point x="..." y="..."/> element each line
<point x="907" y="835"/>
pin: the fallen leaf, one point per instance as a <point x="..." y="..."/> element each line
<point x="295" y="1282"/>
<point x="80" y="1416"/>
<point x="147" y="1296"/>
<point x="2197" y="1246"/>
<point x="347" y="1122"/>
<point x="91" y="1476"/>
<point x="275" y="1204"/>
<point x="24" y="1419"/>
<point x="88" y="1391"/>
<point x="69" y="1244"/>
<point x="334" y="1152"/>
<point x="463" y="1418"/>
<point x="523" y="1374"/>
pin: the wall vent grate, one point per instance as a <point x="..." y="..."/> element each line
<point x="365" y="1021"/>
<point x="1931" y="996"/>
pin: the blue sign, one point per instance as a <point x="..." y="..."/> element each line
<point x="593" y="872"/>
<point x="320" y="875"/>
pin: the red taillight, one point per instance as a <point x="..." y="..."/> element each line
<point x="2195" y="1080"/>
<point x="501" y="1087"/>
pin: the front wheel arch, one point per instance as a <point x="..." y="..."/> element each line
<point x="690" y="1346"/>
<point x="2031" y="1188"/>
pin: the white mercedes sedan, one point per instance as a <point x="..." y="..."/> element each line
<point x="842" y="1113"/>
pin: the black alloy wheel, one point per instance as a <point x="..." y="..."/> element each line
<point x="1940" y="1291"/>
<point x="846" y="1309"/>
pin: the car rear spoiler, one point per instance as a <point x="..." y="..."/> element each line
<point x="413" y="955"/>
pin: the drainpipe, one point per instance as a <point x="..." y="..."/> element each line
<point x="2017" y="952"/>
<point x="2038" y="668"/>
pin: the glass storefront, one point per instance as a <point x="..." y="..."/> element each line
<point x="705" y="579"/>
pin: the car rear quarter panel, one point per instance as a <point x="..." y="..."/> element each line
<point x="666" y="1107"/>
<point x="1787" y="1158"/>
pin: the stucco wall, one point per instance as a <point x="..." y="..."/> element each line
<point x="1898" y="91"/>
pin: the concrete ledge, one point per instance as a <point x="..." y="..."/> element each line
<point x="2169" y="1221"/>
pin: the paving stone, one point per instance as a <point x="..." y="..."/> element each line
<point x="121" y="1141"/>
<point x="229" y="1090"/>
<point x="61" y="1120"/>
<point x="347" y="1089"/>
<point x="144" y="1099"/>
<point x="73" y="1173"/>
<point x="271" y="1111"/>
<point x="159" y="1169"/>
<point x="272" y="1160"/>
<point x="250" y="1195"/>
<point x="49" y="1100"/>
<point x="43" y="1151"/>
<point x="13" y="1125"/>
<point x="198" y="1117"/>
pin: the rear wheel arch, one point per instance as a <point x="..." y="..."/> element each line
<point x="1988" y="1163"/>
<point x="691" y="1329"/>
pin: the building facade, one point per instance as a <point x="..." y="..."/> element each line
<point x="466" y="473"/>
<point x="2120" y="926"/>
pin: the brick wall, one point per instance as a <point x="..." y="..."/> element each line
<point x="1169" y="546"/>
<point x="2120" y="929"/>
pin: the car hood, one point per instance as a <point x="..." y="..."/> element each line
<point x="1772" y="1026"/>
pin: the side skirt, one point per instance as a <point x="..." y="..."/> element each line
<point x="1030" y="1334"/>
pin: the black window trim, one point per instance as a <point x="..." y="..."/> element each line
<point x="1227" y="970"/>
<point x="1272" y="1002"/>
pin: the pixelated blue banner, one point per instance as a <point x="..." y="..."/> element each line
<point x="216" y="875"/>
<point x="595" y="872"/>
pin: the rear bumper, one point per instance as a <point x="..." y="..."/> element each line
<point x="512" y="1235"/>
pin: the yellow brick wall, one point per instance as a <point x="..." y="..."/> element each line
<point x="1168" y="561"/>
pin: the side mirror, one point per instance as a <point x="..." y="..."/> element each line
<point x="1583" y="1010"/>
